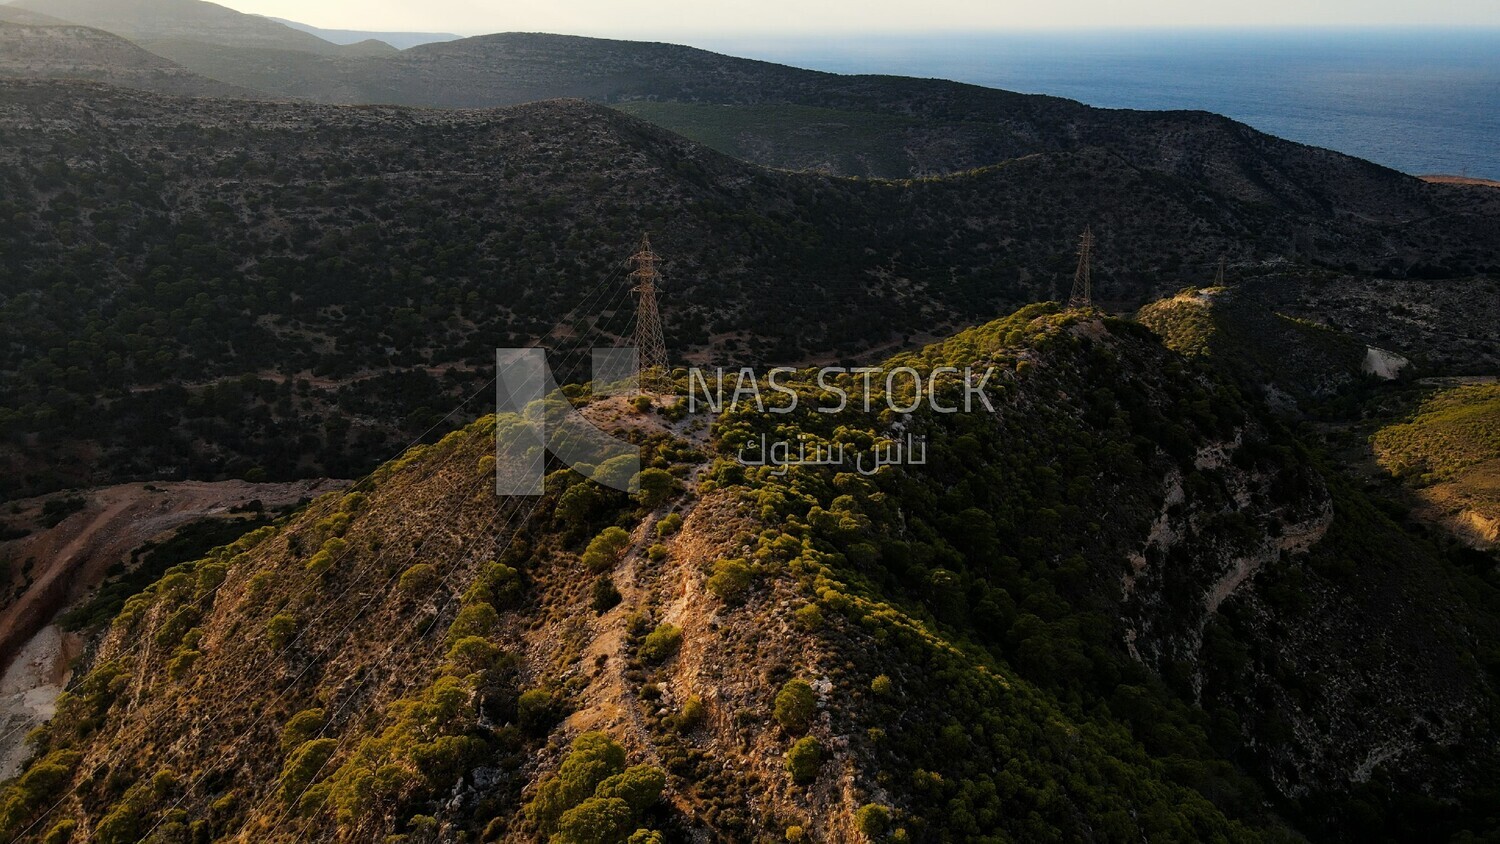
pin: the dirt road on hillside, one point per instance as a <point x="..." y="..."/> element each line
<point x="66" y="562"/>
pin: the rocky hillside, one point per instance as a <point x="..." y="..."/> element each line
<point x="770" y="114"/>
<point x="1122" y="605"/>
<point x="26" y="17"/>
<point x="145" y="21"/>
<point x="49" y="51"/>
<point x="369" y="259"/>
<point x="1292" y="360"/>
<point x="1444" y="326"/>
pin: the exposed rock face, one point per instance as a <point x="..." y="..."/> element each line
<point x="38" y="672"/>
<point x="1190" y="553"/>
<point x="1384" y="365"/>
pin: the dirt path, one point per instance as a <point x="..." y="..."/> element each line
<point x="66" y="562"/>
<point x="609" y="702"/>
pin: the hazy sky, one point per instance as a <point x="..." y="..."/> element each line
<point x="676" y="17"/>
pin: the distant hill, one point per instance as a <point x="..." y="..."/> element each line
<point x="369" y="47"/>
<point x="780" y="116"/>
<point x="355" y="242"/>
<point x="399" y="40"/>
<point x="786" y="117"/>
<point x="77" y="52"/>
<point x="145" y="21"/>
<point x="13" y="14"/>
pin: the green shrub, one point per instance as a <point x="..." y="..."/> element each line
<point x="656" y="486"/>
<point x="163" y="783"/>
<point x="319" y="563"/>
<point x="497" y="584"/>
<point x="639" y="786"/>
<point x="594" y="758"/>
<point x="795" y="706"/>
<point x="304" y="764"/>
<point x="280" y="629"/>
<point x="473" y="620"/>
<point x="181" y="664"/>
<point x="669" y="524"/>
<point x="808" y="618"/>
<point x="536" y="710"/>
<point x="418" y="580"/>
<point x="122" y="824"/>
<point x="730" y="580"/>
<point x="334" y="526"/>
<point x="35" y="788"/>
<point x="61" y="833"/>
<point x="657" y="552"/>
<point x="177" y="625"/>
<point x="424" y="827"/>
<point x="330" y="553"/>
<point x="606" y="549"/>
<point x="605" y="596"/>
<point x="873" y="820"/>
<point x="471" y="654"/>
<point x="646" y="836"/>
<point x="597" y="820"/>
<point x="300" y="728"/>
<point x="210" y="575"/>
<point x="661" y="643"/>
<point x="692" y="714"/>
<point x="882" y="685"/>
<point x="57" y="509"/>
<point x="804" y="759"/>
<point x="638" y="622"/>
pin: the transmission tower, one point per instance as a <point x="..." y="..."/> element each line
<point x="1083" y="284"/>
<point x="650" y="346"/>
<point x="1219" y="276"/>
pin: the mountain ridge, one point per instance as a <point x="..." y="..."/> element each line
<point x="146" y="21"/>
<point x="957" y="126"/>
<point x="764" y="266"/>
<point x="399" y="40"/>
<point x="67" y="51"/>
<point x="784" y="651"/>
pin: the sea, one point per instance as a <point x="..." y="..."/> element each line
<point x="1423" y="101"/>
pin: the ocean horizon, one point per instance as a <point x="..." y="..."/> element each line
<point x="1422" y="101"/>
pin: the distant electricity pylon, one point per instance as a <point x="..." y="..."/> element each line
<point x="1219" y="276"/>
<point x="649" y="343"/>
<point x="1083" y="284"/>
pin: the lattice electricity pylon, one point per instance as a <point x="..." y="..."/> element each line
<point x="650" y="345"/>
<point x="1083" y="284"/>
<point x="1219" y="276"/>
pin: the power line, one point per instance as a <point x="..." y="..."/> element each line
<point x="1083" y="283"/>
<point x="650" y="346"/>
